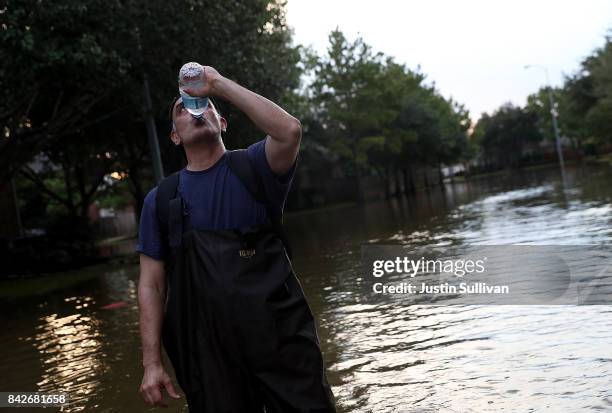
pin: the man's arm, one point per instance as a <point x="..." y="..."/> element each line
<point x="151" y="298"/>
<point x="284" y="130"/>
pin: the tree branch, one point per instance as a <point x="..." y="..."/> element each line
<point x="27" y="172"/>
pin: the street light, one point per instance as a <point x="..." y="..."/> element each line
<point x="553" y="113"/>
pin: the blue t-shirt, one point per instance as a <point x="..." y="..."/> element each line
<point x="216" y="199"/>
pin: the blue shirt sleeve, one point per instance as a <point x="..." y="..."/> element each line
<point x="149" y="234"/>
<point x="276" y="187"/>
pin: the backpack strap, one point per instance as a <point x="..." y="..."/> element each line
<point x="241" y="165"/>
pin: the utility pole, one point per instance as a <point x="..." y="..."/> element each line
<point x="553" y="113"/>
<point x="158" y="168"/>
<point x="152" y="133"/>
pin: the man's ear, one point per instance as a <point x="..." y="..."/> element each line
<point x="175" y="138"/>
<point x="223" y="124"/>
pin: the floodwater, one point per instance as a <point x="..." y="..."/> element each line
<point x="383" y="356"/>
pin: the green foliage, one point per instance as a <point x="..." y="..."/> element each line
<point x="539" y="103"/>
<point x="583" y="104"/>
<point x="72" y="76"/>
<point x="117" y="196"/>
<point x="377" y="113"/>
<point x="345" y="92"/>
<point x="504" y="134"/>
<point x="68" y="64"/>
<point x="598" y="70"/>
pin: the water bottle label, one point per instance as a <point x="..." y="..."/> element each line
<point x="195" y="102"/>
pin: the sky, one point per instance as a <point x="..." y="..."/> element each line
<point x="474" y="50"/>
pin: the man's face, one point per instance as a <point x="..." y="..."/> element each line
<point x="189" y="130"/>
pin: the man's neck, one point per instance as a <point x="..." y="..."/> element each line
<point x="204" y="156"/>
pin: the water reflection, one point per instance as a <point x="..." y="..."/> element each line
<point x="70" y="351"/>
<point x="389" y="357"/>
<point x="382" y="357"/>
<point x="68" y="343"/>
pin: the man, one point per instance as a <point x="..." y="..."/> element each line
<point x="216" y="284"/>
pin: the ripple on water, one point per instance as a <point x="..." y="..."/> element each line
<point x="478" y="358"/>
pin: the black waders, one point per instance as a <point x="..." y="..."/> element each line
<point x="237" y="328"/>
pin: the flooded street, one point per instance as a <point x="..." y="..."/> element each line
<point x="381" y="357"/>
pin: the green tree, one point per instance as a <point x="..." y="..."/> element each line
<point x="347" y="92"/>
<point x="598" y="67"/>
<point x="571" y="124"/>
<point x="504" y="134"/>
<point x="437" y="128"/>
<point x="72" y="73"/>
<point x="583" y="103"/>
<point x="379" y="115"/>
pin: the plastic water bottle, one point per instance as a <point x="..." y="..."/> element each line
<point x="190" y="77"/>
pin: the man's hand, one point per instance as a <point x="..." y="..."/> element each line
<point x="154" y="381"/>
<point x="210" y="76"/>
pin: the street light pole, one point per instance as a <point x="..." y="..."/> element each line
<point x="553" y="113"/>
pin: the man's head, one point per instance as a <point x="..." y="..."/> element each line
<point x="187" y="130"/>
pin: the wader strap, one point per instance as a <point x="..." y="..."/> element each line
<point x="241" y="165"/>
<point x="166" y="191"/>
<point x="175" y="222"/>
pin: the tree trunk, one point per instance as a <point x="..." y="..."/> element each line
<point x="398" y="183"/>
<point x="405" y="180"/>
<point x="409" y="181"/>
<point x="387" y="175"/>
<point x="426" y="179"/>
<point x="360" y="189"/>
